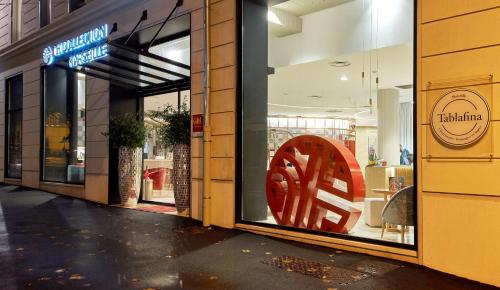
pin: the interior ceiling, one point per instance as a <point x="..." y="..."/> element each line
<point x="303" y="7"/>
<point x="158" y="102"/>
<point x="178" y="50"/>
<point x="316" y="88"/>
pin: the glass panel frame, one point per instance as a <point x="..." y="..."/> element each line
<point x="14" y="126"/>
<point x="246" y="68"/>
<point x="63" y="139"/>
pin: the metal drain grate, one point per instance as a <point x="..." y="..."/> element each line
<point x="322" y="271"/>
<point x="375" y="268"/>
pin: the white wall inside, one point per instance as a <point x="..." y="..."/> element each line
<point x="344" y="29"/>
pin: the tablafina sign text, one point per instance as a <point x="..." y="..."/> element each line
<point x="79" y="50"/>
<point x="460" y="118"/>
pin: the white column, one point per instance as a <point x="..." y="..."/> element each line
<point x="388" y="116"/>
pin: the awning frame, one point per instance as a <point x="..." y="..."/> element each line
<point x="122" y="66"/>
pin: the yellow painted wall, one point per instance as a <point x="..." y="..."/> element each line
<point x="459" y="201"/>
<point x="222" y="109"/>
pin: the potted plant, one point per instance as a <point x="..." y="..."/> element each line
<point x="128" y="134"/>
<point x="174" y="133"/>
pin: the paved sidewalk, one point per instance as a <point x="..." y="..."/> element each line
<point x="53" y="242"/>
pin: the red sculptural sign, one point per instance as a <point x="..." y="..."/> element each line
<point x="309" y="180"/>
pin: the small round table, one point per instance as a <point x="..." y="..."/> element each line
<point x="386" y="192"/>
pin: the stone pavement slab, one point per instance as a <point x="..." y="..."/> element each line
<point x="53" y="242"/>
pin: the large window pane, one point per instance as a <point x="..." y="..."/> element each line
<point x="76" y="4"/>
<point x="14" y="126"/>
<point x="327" y="121"/>
<point x="64" y="126"/>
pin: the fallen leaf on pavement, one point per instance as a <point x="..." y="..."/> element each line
<point x="76" y="277"/>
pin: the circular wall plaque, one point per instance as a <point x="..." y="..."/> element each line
<point x="460" y="118"/>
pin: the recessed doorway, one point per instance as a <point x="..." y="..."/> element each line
<point x="157" y="158"/>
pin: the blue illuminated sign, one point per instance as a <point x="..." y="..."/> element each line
<point x="80" y="50"/>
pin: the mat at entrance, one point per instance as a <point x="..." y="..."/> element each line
<point x="156" y="208"/>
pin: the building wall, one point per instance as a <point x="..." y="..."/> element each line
<point x="223" y="110"/>
<point x="26" y="60"/>
<point x="30" y="17"/>
<point x="31" y="125"/>
<point x="459" y="200"/>
<point x="59" y="9"/>
<point x="5" y="25"/>
<point x="197" y="71"/>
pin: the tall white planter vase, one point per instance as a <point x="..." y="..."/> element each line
<point x="181" y="177"/>
<point x="129" y="177"/>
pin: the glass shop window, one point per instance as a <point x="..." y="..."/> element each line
<point x="76" y="4"/>
<point x="44" y="12"/>
<point x="64" y="126"/>
<point x="327" y="118"/>
<point x="14" y="121"/>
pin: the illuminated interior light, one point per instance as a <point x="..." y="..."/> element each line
<point x="272" y="17"/>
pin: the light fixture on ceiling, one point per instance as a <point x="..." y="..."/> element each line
<point x="339" y="63"/>
<point x="315" y="97"/>
<point x="333" y="111"/>
<point x="344" y="78"/>
<point x="273" y="18"/>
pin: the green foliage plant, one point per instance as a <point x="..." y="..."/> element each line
<point x="126" y="130"/>
<point x="175" y="125"/>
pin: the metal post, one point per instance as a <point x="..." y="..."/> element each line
<point x="207" y="198"/>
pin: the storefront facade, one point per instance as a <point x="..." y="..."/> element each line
<point x="448" y="44"/>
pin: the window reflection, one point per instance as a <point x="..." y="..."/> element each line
<point x="64" y="134"/>
<point x="14" y="126"/>
<point x="327" y="121"/>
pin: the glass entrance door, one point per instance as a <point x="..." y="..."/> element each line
<point x="157" y="159"/>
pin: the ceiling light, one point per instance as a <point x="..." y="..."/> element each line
<point x="315" y="97"/>
<point x="339" y="63"/>
<point x="333" y="111"/>
<point x="344" y="78"/>
<point x="273" y="18"/>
